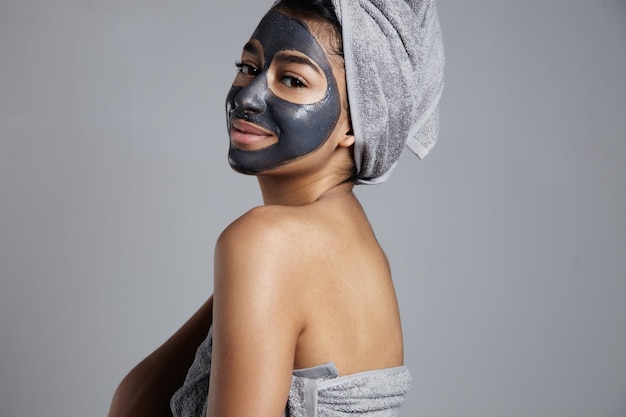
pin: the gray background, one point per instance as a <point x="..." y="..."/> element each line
<point x="507" y="243"/>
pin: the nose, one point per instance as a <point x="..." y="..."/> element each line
<point x="253" y="97"/>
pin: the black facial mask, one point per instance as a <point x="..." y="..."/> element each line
<point x="300" y="128"/>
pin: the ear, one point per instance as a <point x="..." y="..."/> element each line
<point x="347" y="140"/>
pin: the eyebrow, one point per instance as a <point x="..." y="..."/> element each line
<point x="296" y="59"/>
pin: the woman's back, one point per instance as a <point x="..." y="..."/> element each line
<point x="299" y="286"/>
<point x="339" y="279"/>
<point x="345" y="289"/>
<point x="317" y="307"/>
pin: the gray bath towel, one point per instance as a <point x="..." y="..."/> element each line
<point x="321" y="392"/>
<point x="314" y="392"/>
<point x="394" y="67"/>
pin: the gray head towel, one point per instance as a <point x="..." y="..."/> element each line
<point x="394" y="67"/>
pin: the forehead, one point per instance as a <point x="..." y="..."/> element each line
<point x="278" y="32"/>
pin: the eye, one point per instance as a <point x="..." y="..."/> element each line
<point x="247" y="69"/>
<point x="292" y="81"/>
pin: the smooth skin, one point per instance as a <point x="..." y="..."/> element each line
<point x="298" y="282"/>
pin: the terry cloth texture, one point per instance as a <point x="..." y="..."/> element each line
<point x="314" y="392"/>
<point x="394" y="68"/>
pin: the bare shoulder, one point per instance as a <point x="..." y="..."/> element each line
<point x="284" y="236"/>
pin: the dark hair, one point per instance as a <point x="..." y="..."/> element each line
<point x="316" y="9"/>
<point x="320" y="10"/>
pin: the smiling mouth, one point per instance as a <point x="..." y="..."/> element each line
<point x="249" y="137"/>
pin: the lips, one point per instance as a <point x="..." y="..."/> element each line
<point x="247" y="136"/>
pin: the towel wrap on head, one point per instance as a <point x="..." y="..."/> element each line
<point x="394" y="69"/>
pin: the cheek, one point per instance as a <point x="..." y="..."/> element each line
<point x="230" y="97"/>
<point x="230" y="103"/>
<point x="303" y="128"/>
<point x="309" y="121"/>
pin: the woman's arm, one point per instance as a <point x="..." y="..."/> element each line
<point x="256" y="318"/>
<point x="147" y="389"/>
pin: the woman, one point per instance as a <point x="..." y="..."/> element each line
<point x="304" y="318"/>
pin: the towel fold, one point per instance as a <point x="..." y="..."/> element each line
<point x="320" y="391"/>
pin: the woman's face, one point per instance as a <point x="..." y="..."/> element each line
<point x="284" y="102"/>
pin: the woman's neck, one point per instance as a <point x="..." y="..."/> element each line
<point x="296" y="191"/>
